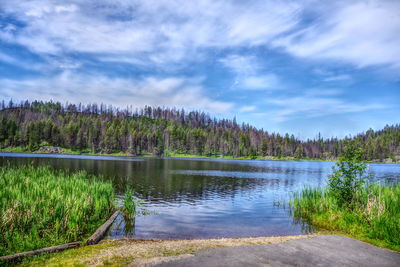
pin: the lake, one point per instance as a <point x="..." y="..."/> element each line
<point x="204" y="198"/>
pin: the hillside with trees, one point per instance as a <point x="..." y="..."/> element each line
<point x="164" y="131"/>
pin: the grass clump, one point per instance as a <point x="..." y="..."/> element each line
<point x="367" y="211"/>
<point x="129" y="205"/>
<point x="41" y="207"/>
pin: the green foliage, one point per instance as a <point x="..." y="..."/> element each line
<point x="368" y="211"/>
<point x="129" y="210"/>
<point x="129" y="205"/>
<point x="41" y="207"/>
<point x="349" y="175"/>
<point x="374" y="218"/>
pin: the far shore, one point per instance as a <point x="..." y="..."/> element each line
<point x="67" y="151"/>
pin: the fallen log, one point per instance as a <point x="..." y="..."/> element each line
<point x="39" y="251"/>
<point x="98" y="235"/>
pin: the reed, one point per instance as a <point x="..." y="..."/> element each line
<point x="129" y="205"/>
<point x="374" y="217"/>
<point x="41" y="207"/>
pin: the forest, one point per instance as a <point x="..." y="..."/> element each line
<point x="164" y="131"/>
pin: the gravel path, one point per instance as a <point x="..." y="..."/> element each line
<point x="324" y="250"/>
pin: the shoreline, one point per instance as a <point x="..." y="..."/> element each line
<point x="66" y="151"/>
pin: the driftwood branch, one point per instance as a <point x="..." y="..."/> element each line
<point x="98" y="235"/>
<point x="42" y="250"/>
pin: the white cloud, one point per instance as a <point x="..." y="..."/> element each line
<point x="8" y="59"/>
<point x="341" y="77"/>
<point x="241" y="65"/>
<point x="322" y="92"/>
<point x="75" y="87"/>
<point x="247" y="108"/>
<point x="161" y="32"/>
<point x="249" y="73"/>
<point x="66" y="8"/>
<point x="262" y="82"/>
<point x="363" y="33"/>
<point x="315" y="103"/>
<point x="41" y="10"/>
<point x="20" y="63"/>
<point x="166" y="30"/>
<point x="331" y="76"/>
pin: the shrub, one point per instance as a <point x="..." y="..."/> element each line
<point x="348" y="177"/>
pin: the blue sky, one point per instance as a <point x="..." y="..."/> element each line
<point x="301" y="67"/>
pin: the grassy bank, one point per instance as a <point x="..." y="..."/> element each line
<point x="374" y="218"/>
<point x="351" y="205"/>
<point x="41" y="207"/>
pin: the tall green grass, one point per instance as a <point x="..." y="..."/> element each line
<point x="41" y="207"/>
<point x="130" y="205"/>
<point x="374" y="217"/>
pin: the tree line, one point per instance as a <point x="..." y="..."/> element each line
<point x="162" y="131"/>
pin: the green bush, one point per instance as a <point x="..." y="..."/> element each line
<point x="348" y="177"/>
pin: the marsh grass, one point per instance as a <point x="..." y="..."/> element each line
<point x="129" y="205"/>
<point x="374" y="217"/>
<point x="41" y="207"/>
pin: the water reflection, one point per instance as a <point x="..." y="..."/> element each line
<point x="200" y="198"/>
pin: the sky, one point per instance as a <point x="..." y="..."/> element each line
<point x="303" y="67"/>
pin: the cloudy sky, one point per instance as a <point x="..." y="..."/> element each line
<point x="301" y="67"/>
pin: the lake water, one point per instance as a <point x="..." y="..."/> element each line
<point x="204" y="198"/>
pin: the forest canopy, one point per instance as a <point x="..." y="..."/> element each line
<point x="162" y="131"/>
